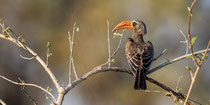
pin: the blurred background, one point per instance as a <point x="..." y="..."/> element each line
<point x="42" y="21"/>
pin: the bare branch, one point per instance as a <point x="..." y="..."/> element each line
<point x="173" y="61"/>
<point x="118" y="47"/>
<point x="108" y="39"/>
<point x="159" y="55"/>
<point x="100" y="69"/>
<point x="71" y="61"/>
<point x="48" y="52"/>
<point x="74" y="69"/>
<point x="70" y="71"/>
<point x="177" y="84"/>
<point x="72" y="44"/>
<point x="28" y="84"/>
<point x="28" y="96"/>
<point x="26" y="58"/>
<point x="18" y="43"/>
<point x="186" y="41"/>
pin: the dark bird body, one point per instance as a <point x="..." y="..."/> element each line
<point x="138" y="53"/>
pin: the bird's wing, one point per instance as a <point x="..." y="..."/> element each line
<point x="147" y="55"/>
<point x="133" y="56"/>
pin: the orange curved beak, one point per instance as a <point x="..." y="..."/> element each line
<point x="123" y="25"/>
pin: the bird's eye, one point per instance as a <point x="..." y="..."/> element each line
<point x="134" y="24"/>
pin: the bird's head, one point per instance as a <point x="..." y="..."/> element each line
<point x="137" y="25"/>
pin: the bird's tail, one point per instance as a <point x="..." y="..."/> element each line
<point x="140" y="81"/>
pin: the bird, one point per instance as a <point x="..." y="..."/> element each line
<point x="138" y="53"/>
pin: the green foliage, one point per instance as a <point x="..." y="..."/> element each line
<point x="179" y="90"/>
<point x="23" y="40"/>
<point x="116" y="34"/>
<point x="48" y="45"/>
<point x="206" y="56"/>
<point x="193" y="40"/>
<point x="167" y="94"/>
<point x="49" y="89"/>
<point x="198" y="58"/>
<point x="6" y="32"/>
<point x="112" y="60"/>
<point x="180" y="100"/>
<point x="188" y="68"/>
<point x="76" y="29"/>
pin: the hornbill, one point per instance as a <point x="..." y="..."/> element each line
<point x="138" y="53"/>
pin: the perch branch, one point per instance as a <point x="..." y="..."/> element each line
<point x="118" y="69"/>
<point x="100" y="69"/>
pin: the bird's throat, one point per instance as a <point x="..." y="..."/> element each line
<point x="138" y="38"/>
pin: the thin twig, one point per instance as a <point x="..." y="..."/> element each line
<point x="2" y="102"/>
<point x="159" y="55"/>
<point x="186" y="41"/>
<point x="118" y="47"/>
<point x="28" y="84"/>
<point x="72" y="44"/>
<point x="189" y="36"/>
<point x="196" y="73"/>
<point x="71" y="61"/>
<point x="74" y="69"/>
<point x="173" y="61"/>
<point x="155" y="91"/>
<point x="52" y="76"/>
<point x="26" y="58"/>
<point x="109" y="64"/>
<point x="48" y="53"/>
<point x="29" y="96"/>
<point x="177" y="85"/>
<point x="70" y="71"/>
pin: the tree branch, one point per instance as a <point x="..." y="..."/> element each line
<point x="189" y="36"/>
<point x="20" y="44"/>
<point x="28" y="84"/>
<point x="108" y="40"/>
<point x="159" y="55"/>
<point x="195" y="75"/>
<point x="173" y="61"/>
<point x="2" y="102"/>
<point x="100" y="69"/>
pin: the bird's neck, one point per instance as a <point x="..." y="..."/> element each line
<point x="138" y="38"/>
